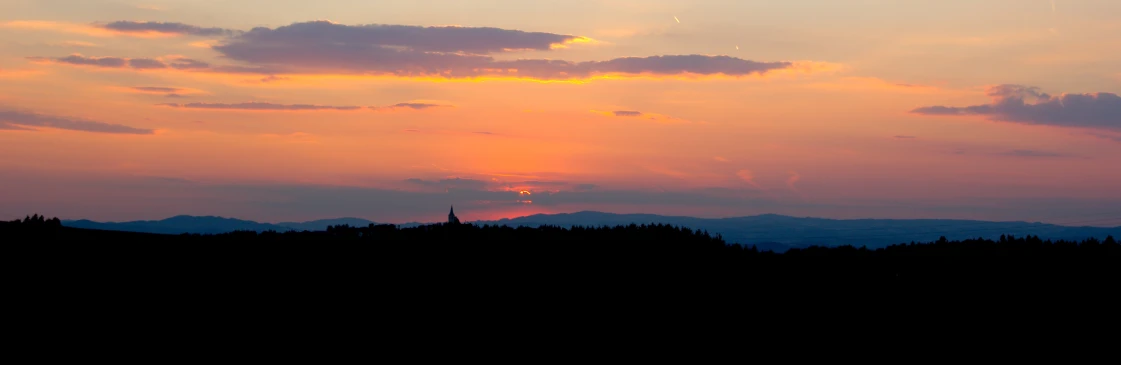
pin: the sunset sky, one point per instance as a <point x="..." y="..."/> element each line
<point x="281" y="110"/>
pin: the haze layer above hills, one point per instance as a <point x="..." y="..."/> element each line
<point x="767" y="232"/>
<point x="211" y="225"/>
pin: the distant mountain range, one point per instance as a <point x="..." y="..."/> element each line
<point x="212" y="225"/>
<point x="767" y="232"/>
<point x="779" y="233"/>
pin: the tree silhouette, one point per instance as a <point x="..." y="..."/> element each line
<point x="602" y="258"/>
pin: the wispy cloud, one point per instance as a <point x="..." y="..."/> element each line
<point x="182" y="63"/>
<point x="271" y="78"/>
<point x="22" y="120"/>
<point x="452" y="132"/>
<point x="639" y="115"/>
<point x="64" y="27"/>
<point x="1034" y="154"/>
<point x="170" y="92"/>
<point x="1111" y="137"/>
<point x="256" y="106"/>
<point x="147" y="28"/>
<point x="794" y="178"/>
<point x="626" y="113"/>
<point x="409" y="106"/>
<point x="12" y="127"/>
<point x="79" y="44"/>
<point x="1011" y="104"/>
<point x="77" y="59"/>
<point x="107" y="62"/>
<point x="146" y="63"/>
<point x="296" y="137"/>
<point x="157" y="89"/>
<point x="746" y="176"/>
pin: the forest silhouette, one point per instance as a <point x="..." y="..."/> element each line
<point x="637" y="254"/>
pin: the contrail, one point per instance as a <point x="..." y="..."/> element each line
<point x="1052" y="6"/>
<point x="679" y="20"/>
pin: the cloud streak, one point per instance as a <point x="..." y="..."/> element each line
<point x="146" y="28"/>
<point x="422" y="39"/>
<point x="188" y="64"/>
<point x="794" y="178"/>
<point x="19" y="120"/>
<point x="107" y="62"/>
<point x="320" y="48"/>
<point x="255" y="106"/>
<point x="747" y="177"/>
<point x="1029" y="105"/>
<point x="412" y="106"/>
<point x="157" y="89"/>
<point x="77" y="28"/>
<point x="449" y="52"/>
<point x="77" y="59"/>
<point x="146" y="64"/>
<point x="639" y="115"/>
<point x="170" y="92"/>
<point x="1033" y="154"/>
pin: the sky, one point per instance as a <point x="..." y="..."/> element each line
<point x="283" y="110"/>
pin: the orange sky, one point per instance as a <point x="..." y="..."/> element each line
<point x="870" y="110"/>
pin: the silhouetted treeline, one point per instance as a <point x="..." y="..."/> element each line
<point x="556" y="253"/>
<point x="33" y="221"/>
<point x="467" y="278"/>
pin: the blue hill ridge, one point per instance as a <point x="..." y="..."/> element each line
<point x="767" y="231"/>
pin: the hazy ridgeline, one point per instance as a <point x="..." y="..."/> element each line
<point x="766" y="232"/>
<point x="624" y="256"/>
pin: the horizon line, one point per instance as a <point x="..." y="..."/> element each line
<point x="621" y="214"/>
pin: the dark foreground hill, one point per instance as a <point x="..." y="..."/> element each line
<point x="467" y="280"/>
<point x="502" y="254"/>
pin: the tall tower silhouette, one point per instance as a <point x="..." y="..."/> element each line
<point x="451" y="216"/>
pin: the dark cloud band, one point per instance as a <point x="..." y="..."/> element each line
<point x="409" y="51"/>
<point x="167" y="28"/>
<point x="146" y="64"/>
<point x="1011" y="104"/>
<point x="157" y="89"/>
<point x="422" y="39"/>
<point x="452" y="52"/>
<point x="22" y="120"/>
<point x="107" y="62"/>
<point x="261" y="106"/>
<point x="110" y="62"/>
<point x="413" y="106"/>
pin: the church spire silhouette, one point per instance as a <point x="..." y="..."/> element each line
<point x="452" y="219"/>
